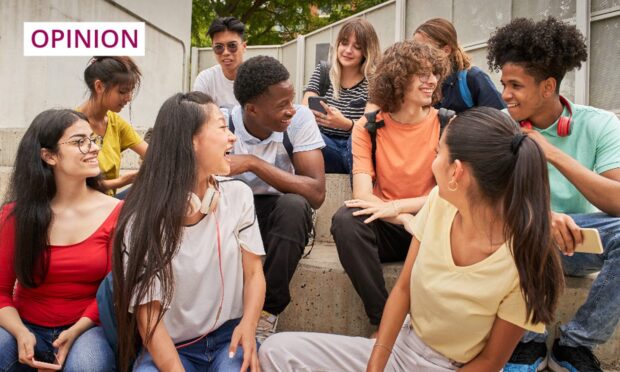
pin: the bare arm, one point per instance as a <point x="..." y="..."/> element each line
<point x="160" y="346"/>
<point x="253" y="300"/>
<point x="308" y="180"/>
<point x="498" y="349"/>
<point x="602" y="190"/>
<point x="140" y="148"/>
<point x="389" y="211"/>
<point x="12" y="323"/>
<point x="307" y="94"/>
<point x="396" y="309"/>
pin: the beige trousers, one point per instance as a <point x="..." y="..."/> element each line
<point x="320" y="352"/>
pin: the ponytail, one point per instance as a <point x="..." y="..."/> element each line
<point x="527" y="216"/>
<point x="510" y="170"/>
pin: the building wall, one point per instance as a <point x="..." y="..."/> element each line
<point x="32" y="84"/>
<point x="475" y="20"/>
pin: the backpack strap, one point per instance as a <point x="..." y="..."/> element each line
<point x="445" y="116"/>
<point x="288" y="146"/>
<point x="323" y="78"/>
<point x="464" y="89"/>
<point x="371" y="126"/>
<point x="231" y="125"/>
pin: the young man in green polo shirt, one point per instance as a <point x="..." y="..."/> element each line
<point x="582" y="147"/>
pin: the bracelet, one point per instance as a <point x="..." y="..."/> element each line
<point x="352" y="124"/>
<point x="383" y="346"/>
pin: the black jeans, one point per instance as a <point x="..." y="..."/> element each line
<point x="362" y="248"/>
<point x="285" y="222"/>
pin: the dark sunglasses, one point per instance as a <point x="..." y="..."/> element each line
<point x="232" y="47"/>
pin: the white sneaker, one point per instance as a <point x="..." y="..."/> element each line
<point x="266" y="327"/>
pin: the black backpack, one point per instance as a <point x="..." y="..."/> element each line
<point x="286" y="141"/>
<point x="373" y="125"/>
<point x="323" y="78"/>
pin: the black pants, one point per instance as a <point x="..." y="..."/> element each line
<point x="362" y="248"/>
<point x="285" y="222"/>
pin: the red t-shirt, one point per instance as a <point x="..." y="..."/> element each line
<point x="74" y="274"/>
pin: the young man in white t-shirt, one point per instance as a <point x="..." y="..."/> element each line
<point x="217" y="81"/>
<point x="277" y="153"/>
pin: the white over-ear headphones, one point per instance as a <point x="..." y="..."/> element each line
<point x="208" y="202"/>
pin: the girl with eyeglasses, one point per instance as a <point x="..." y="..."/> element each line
<point x="345" y="89"/>
<point x="56" y="231"/>
<point x="481" y="267"/>
<point x="466" y="86"/>
<point x="112" y="82"/>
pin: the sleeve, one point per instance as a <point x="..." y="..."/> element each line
<point x="315" y="79"/>
<point x="203" y="82"/>
<point x="126" y="134"/>
<point x="7" y="254"/>
<point x="483" y="89"/>
<point x="361" y="147"/>
<point x="421" y="218"/>
<point x="512" y="310"/>
<point x="92" y="310"/>
<point x="305" y="134"/>
<point x="154" y="293"/>
<point x="608" y="146"/>
<point x="247" y="228"/>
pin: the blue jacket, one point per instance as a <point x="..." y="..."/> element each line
<point x="481" y="89"/>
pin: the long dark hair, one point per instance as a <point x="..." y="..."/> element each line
<point x="511" y="172"/>
<point x="111" y="71"/>
<point x="31" y="189"/>
<point x="149" y="227"/>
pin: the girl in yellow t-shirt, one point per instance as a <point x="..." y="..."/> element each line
<point x="112" y="81"/>
<point x="481" y="268"/>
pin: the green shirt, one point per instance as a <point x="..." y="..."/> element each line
<point x="594" y="142"/>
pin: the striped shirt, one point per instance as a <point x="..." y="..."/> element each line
<point x="351" y="104"/>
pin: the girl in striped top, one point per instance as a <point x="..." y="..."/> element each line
<point x="356" y="53"/>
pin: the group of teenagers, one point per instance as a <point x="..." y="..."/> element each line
<point x="190" y="268"/>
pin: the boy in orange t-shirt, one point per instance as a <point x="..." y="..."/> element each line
<point x="374" y="227"/>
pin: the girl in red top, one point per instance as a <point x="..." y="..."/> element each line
<point x="55" y="235"/>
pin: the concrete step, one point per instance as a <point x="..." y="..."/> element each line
<point x="338" y="189"/>
<point x="323" y="300"/>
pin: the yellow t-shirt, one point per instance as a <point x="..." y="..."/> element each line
<point x="453" y="307"/>
<point x="119" y="136"/>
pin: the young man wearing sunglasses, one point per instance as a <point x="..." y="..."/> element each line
<point x="226" y="34"/>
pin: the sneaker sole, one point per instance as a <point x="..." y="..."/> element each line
<point x="557" y="367"/>
<point x="540" y="367"/>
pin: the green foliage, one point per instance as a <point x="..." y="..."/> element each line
<point x="272" y="21"/>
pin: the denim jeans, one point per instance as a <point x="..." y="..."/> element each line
<point x="596" y="320"/>
<point x="337" y="154"/>
<point x="208" y="354"/>
<point x="89" y="352"/>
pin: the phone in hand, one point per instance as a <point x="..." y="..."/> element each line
<point x="591" y="242"/>
<point x="314" y="102"/>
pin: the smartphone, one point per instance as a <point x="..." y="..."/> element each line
<point x="591" y="242"/>
<point x="314" y="102"/>
<point x="44" y="365"/>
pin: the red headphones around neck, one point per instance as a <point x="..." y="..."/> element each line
<point x="564" y="122"/>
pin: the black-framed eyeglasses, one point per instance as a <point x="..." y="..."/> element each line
<point x="232" y="47"/>
<point x="84" y="144"/>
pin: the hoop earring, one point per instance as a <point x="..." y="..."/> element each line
<point x="451" y="188"/>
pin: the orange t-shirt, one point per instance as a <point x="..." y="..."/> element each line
<point x="404" y="156"/>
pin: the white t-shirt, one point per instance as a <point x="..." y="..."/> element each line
<point x="213" y="82"/>
<point x="303" y="133"/>
<point x="198" y="286"/>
